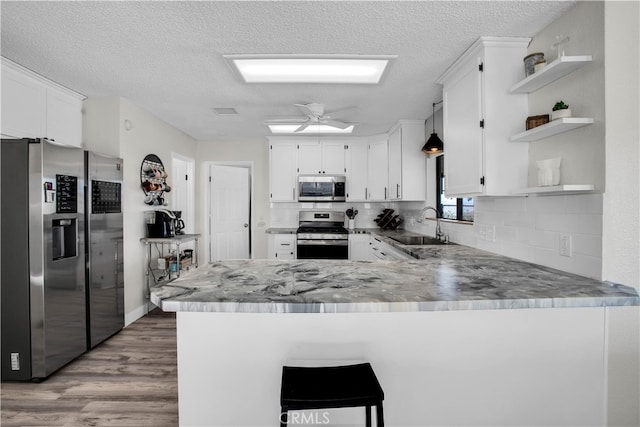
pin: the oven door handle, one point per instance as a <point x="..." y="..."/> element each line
<point x="323" y="242"/>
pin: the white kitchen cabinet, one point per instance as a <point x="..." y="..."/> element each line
<point x="394" y="160"/>
<point x="64" y="118"/>
<point x="357" y="168"/>
<point x="35" y="107"/>
<point x="309" y="157"/>
<point x="407" y="162"/>
<point x="282" y="170"/>
<point x="281" y="246"/>
<point x="383" y="251"/>
<point x="23" y="105"/>
<point x="480" y="115"/>
<point x="359" y="247"/>
<point x="321" y="157"/>
<point x="377" y="168"/>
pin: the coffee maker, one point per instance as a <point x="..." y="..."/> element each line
<point x="161" y="224"/>
<point x="178" y="223"/>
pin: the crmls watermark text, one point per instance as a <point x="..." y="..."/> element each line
<point x="305" y="418"/>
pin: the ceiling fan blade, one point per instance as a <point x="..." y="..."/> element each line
<point x="302" y="127"/>
<point x="340" y="110"/>
<point x="285" y="120"/>
<point x="336" y="124"/>
<point x="312" y="110"/>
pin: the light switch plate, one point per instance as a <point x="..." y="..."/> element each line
<point x="565" y="245"/>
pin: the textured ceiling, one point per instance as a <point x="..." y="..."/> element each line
<point x="167" y="57"/>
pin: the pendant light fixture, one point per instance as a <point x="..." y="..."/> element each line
<point x="434" y="144"/>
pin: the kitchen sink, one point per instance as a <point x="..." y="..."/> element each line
<point x="417" y="240"/>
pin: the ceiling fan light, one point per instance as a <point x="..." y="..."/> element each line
<point x="313" y="129"/>
<point x="433" y="145"/>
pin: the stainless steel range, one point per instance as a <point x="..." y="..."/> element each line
<point x="321" y="235"/>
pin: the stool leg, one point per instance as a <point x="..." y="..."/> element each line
<point x="284" y="417"/>
<point x="379" y="415"/>
<point x="368" y="416"/>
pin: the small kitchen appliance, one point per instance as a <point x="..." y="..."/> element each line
<point x="321" y="188"/>
<point x="178" y="223"/>
<point x="161" y="224"/>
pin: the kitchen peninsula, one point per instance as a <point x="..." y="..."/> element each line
<point x="457" y="337"/>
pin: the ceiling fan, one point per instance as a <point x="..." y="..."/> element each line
<point x="315" y="115"/>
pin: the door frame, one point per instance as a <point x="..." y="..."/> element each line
<point x="191" y="191"/>
<point x="206" y="211"/>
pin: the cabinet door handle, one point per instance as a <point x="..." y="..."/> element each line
<point x="365" y="193"/>
<point x="385" y="193"/>
<point x="285" y="244"/>
<point x="398" y="191"/>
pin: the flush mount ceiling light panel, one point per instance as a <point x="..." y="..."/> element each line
<point x="313" y="129"/>
<point x="358" y="69"/>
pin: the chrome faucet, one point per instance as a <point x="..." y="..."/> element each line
<point x="439" y="234"/>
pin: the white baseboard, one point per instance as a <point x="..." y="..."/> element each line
<point x="137" y="313"/>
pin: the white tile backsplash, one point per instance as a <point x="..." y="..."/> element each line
<point x="285" y="215"/>
<point x="529" y="229"/>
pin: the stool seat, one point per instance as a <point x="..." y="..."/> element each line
<point x="331" y="387"/>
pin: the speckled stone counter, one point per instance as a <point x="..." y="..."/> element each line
<point x="447" y="277"/>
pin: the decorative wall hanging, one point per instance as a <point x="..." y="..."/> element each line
<point x="153" y="180"/>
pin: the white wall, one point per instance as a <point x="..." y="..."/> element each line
<point x="621" y="228"/>
<point x="104" y="131"/>
<point x="256" y="152"/>
<point x="622" y="197"/>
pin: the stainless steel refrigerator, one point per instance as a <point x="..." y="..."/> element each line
<point x="105" y="274"/>
<point x="43" y="258"/>
<point x="62" y="285"/>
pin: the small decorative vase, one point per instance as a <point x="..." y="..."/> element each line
<point x="352" y="224"/>
<point x="559" y="114"/>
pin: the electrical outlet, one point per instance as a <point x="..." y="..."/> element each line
<point x="565" y="245"/>
<point x="15" y="361"/>
<point x="490" y="235"/>
<point x="482" y="232"/>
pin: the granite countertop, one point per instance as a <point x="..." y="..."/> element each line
<point x="280" y="230"/>
<point x="446" y="277"/>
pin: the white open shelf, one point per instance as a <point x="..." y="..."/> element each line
<point x="557" y="190"/>
<point x="552" y="128"/>
<point x="553" y="71"/>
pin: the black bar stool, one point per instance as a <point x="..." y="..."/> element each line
<point x="331" y="387"/>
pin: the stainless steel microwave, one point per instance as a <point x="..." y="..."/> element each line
<point x="321" y="188"/>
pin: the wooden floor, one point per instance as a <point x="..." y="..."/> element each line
<point x="129" y="380"/>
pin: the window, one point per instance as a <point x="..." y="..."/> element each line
<point x="459" y="209"/>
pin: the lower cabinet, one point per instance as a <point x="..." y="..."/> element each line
<point x="383" y="251"/>
<point x="359" y="247"/>
<point x="281" y="246"/>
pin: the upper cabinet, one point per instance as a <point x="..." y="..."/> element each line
<point x="377" y="168"/>
<point x="34" y="107"/>
<point x="480" y="115"/>
<point x="321" y="157"/>
<point x="357" y="170"/>
<point x="407" y="162"/>
<point x="377" y="171"/>
<point x="282" y="170"/>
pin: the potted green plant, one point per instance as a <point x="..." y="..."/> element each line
<point x="560" y="110"/>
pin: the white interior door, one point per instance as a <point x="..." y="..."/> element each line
<point x="229" y="212"/>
